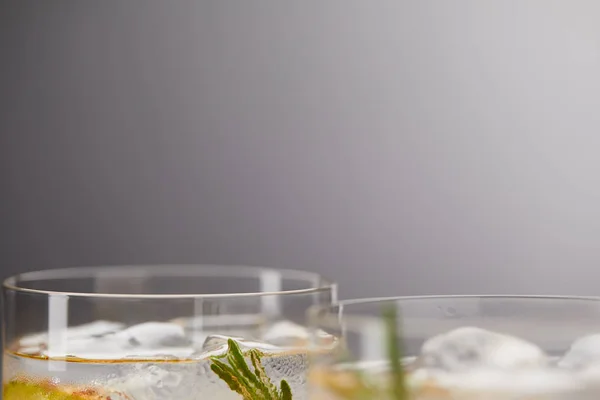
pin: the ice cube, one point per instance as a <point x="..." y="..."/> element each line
<point x="469" y="347"/>
<point x="220" y="322"/>
<point x="485" y="383"/>
<point x="88" y="348"/>
<point x="290" y="334"/>
<point x="217" y="345"/>
<point x="213" y="342"/>
<point x="584" y="352"/>
<point x="196" y="381"/>
<point x="164" y="354"/>
<point x="76" y="339"/>
<point x="171" y="380"/>
<point x="93" y="329"/>
<point x="143" y="341"/>
<point x="286" y="333"/>
<point x="289" y="366"/>
<point x="199" y="327"/>
<point x="153" y="335"/>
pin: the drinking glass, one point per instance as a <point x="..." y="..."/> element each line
<point x="456" y="347"/>
<point x="168" y="332"/>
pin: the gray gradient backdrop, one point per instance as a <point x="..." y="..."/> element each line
<point x="401" y="147"/>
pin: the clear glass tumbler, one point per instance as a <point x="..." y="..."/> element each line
<point x="169" y="332"/>
<point x="456" y="348"/>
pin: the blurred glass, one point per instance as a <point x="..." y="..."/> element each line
<point x="456" y="347"/>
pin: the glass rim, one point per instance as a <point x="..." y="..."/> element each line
<point x="355" y="313"/>
<point x="165" y="270"/>
<point x="339" y="305"/>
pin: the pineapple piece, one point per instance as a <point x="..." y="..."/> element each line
<point x="25" y="389"/>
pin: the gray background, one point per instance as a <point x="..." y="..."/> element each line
<point x="401" y="147"/>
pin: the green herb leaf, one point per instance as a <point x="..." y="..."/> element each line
<point x="367" y="390"/>
<point x="251" y="385"/>
<point x="393" y="339"/>
<point x="286" y="391"/>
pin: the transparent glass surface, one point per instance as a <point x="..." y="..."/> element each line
<point x="456" y="347"/>
<point x="168" y="332"/>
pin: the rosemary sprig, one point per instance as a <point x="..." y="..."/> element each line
<point x="362" y="389"/>
<point x="239" y="377"/>
<point x="393" y="338"/>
